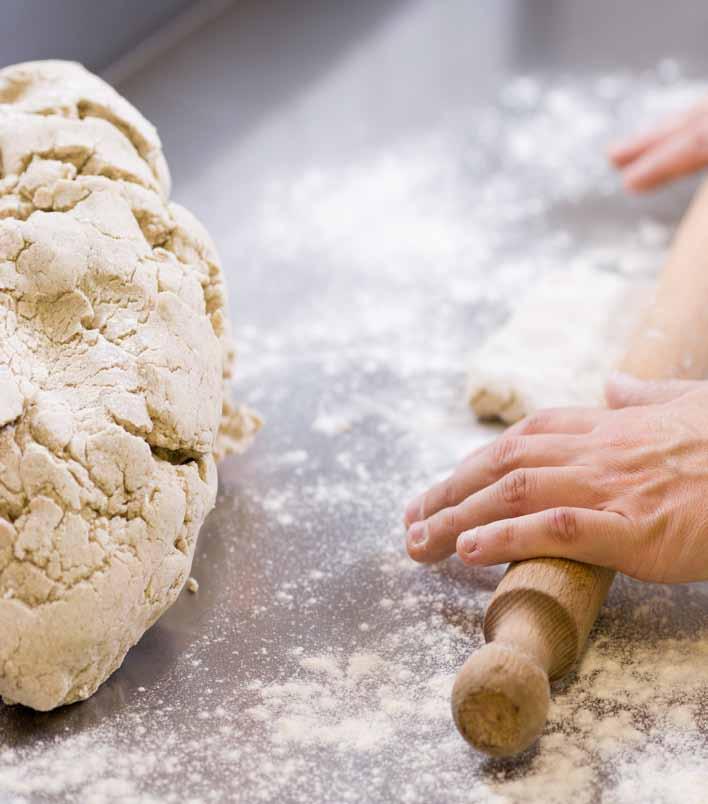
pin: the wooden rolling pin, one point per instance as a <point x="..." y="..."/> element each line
<point x="539" y="618"/>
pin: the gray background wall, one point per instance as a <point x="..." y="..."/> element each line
<point x="94" y="32"/>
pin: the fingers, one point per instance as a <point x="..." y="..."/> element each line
<point x="625" y="153"/>
<point x="665" y="153"/>
<point x="595" y="537"/>
<point x="520" y="492"/>
<point x="632" y="148"/>
<point x="445" y="494"/>
<point x="491" y="462"/>
<point x="623" y="390"/>
<point x="678" y="155"/>
<point x="472" y="474"/>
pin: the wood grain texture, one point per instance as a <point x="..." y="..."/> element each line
<point x="539" y="618"/>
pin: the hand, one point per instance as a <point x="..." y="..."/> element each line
<point x="673" y="149"/>
<point x="625" y="488"/>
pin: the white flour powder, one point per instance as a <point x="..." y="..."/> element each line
<point x="332" y="684"/>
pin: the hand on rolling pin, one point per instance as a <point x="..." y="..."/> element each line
<point x="669" y="151"/>
<point x="625" y="488"/>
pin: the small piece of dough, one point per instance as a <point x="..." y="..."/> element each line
<point x="115" y="350"/>
<point x="558" y="345"/>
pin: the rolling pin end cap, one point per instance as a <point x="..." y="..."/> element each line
<point x="500" y="700"/>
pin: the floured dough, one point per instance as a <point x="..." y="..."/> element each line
<point x="558" y="345"/>
<point x="114" y="349"/>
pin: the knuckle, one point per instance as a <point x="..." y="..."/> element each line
<point x="617" y="440"/>
<point x="515" y="487"/>
<point x="425" y="506"/>
<point x="450" y="520"/>
<point x="563" y="525"/>
<point x="537" y="422"/>
<point x="440" y="497"/>
<point x="506" y="537"/>
<point x="444" y="523"/>
<point x="505" y="453"/>
<point x="448" y="493"/>
<point x="646" y="561"/>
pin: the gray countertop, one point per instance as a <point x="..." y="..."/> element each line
<point x="381" y="178"/>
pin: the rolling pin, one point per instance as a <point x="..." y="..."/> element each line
<point x="539" y="618"/>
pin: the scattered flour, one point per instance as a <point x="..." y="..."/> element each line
<point x="332" y="424"/>
<point x="323" y="662"/>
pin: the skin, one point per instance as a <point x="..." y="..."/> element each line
<point x="624" y="487"/>
<point x="667" y="152"/>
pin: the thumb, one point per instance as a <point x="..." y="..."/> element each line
<point x="624" y="390"/>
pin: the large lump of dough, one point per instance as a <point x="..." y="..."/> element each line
<point x="114" y="349"/>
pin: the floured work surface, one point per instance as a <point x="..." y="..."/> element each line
<point x="315" y="661"/>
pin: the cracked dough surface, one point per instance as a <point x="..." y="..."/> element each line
<point x="114" y="352"/>
<point x="559" y="344"/>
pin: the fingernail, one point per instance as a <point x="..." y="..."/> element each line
<point x="416" y="534"/>
<point x="467" y="545"/>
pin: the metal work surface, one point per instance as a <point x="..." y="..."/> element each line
<point x="381" y="180"/>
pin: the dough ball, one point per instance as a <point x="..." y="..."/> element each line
<point x="112" y="314"/>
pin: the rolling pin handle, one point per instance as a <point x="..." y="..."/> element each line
<point x="500" y="700"/>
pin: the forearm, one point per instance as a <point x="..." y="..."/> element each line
<point x="663" y="339"/>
